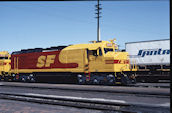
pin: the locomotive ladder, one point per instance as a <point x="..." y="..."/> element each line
<point x="86" y="67"/>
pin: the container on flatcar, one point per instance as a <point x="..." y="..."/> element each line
<point x="152" y="58"/>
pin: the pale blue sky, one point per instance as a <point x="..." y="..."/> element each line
<point x="26" y="25"/>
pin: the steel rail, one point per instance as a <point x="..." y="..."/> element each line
<point x="89" y="103"/>
<point x="150" y="85"/>
<point x="158" y="92"/>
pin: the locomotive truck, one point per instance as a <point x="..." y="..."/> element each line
<point x="98" y="62"/>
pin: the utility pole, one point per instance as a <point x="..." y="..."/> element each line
<point x="98" y="17"/>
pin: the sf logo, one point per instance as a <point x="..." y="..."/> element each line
<point x="45" y="61"/>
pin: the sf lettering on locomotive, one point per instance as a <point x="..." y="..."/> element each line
<point x="45" y="61"/>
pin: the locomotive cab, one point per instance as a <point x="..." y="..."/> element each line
<point x="102" y="63"/>
<point x="112" y="64"/>
<point x="107" y="58"/>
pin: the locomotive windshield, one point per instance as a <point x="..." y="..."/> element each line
<point x="108" y="49"/>
<point x="3" y="57"/>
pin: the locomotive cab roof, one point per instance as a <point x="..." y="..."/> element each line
<point x="94" y="45"/>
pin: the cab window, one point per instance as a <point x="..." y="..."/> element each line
<point x="108" y="49"/>
<point x="100" y="52"/>
<point x="3" y="57"/>
<point x="92" y="52"/>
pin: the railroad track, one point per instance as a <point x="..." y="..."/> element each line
<point x="89" y="103"/>
<point x="151" y="85"/>
<point x="140" y="91"/>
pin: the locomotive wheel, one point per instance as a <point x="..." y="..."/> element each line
<point x="125" y="80"/>
<point x="80" y="79"/>
<point x="32" y="78"/>
<point x="133" y="81"/>
<point x="96" y="81"/>
<point x="110" y="79"/>
<point x="6" y="78"/>
<point x="23" y="79"/>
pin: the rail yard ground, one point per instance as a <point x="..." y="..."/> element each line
<point x="58" y="98"/>
<point x="11" y="106"/>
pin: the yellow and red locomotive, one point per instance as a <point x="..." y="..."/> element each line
<point x="5" y="64"/>
<point x="93" y="63"/>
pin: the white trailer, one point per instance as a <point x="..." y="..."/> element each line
<point x="149" y="52"/>
<point x="152" y="57"/>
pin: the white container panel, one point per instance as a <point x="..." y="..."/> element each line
<point x="149" y="52"/>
